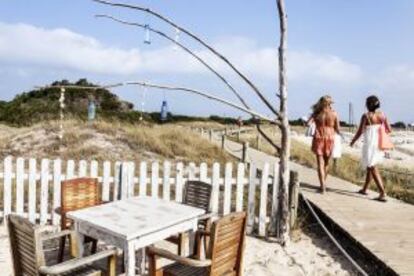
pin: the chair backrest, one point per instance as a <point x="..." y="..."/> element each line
<point x="227" y="245"/>
<point x="77" y="194"/>
<point x="25" y="246"/>
<point x="197" y="194"/>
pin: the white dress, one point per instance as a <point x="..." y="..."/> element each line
<point x="371" y="154"/>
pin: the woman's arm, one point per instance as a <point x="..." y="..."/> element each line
<point x="310" y="121"/>
<point x="337" y="124"/>
<point x="361" y="128"/>
<point x="388" y="128"/>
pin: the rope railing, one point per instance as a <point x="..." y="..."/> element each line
<point x="334" y="241"/>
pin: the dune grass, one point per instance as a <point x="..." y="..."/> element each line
<point x="103" y="140"/>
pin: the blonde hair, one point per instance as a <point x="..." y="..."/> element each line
<point x="323" y="102"/>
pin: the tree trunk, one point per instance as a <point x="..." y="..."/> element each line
<point x="284" y="170"/>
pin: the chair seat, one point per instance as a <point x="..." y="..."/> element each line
<point x="177" y="269"/>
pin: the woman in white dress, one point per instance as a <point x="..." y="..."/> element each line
<point x="371" y="154"/>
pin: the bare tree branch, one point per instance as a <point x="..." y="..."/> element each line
<point x="268" y="139"/>
<point x="202" y="42"/>
<point x="204" y="94"/>
<point x="166" y="87"/>
<point x="197" y="57"/>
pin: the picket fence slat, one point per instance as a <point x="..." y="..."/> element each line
<point x="105" y="180"/>
<point x="203" y="172"/>
<point x="70" y="169"/>
<point x="7" y="187"/>
<point x="154" y="179"/>
<point x="124" y="180"/>
<point x="32" y="190"/>
<point x="215" y="192"/>
<point x="83" y="168"/>
<point x="240" y="187"/>
<point x="179" y="178"/>
<point x="263" y="200"/>
<point x="44" y="191"/>
<point x="121" y="180"/>
<point x="275" y="198"/>
<point x="94" y="169"/>
<point x="251" y="199"/>
<point x="143" y="179"/>
<point x="57" y="179"/>
<point x="227" y="188"/>
<point x="131" y="179"/>
<point x="191" y="171"/>
<point x="117" y="179"/>
<point x="19" y="185"/>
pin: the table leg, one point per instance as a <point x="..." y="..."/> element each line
<point x="140" y="257"/>
<point x="80" y="241"/>
<point x="129" y="258"/>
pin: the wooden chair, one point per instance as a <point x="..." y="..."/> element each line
<point x="77" y="194"/>
<point x="224" y="257"/>
<point x="26" y="245"/>
<point x="196" y="194"/>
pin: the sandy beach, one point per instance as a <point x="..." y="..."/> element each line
<point x="309" y="254"/>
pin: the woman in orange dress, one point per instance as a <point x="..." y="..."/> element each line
<point x="327" y="125"/>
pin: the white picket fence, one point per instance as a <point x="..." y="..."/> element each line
<point x="35" y="193"/>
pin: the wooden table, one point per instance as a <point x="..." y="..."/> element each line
<point x="133" y="224"/>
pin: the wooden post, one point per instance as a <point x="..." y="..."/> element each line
<point x="223" y="141"/>
<point x="244" y="153"/>
<point x="238" y="135"/>
<point x="293" y="197"/>
<point x="258" y="142"/>
<point x="210" y="135"/>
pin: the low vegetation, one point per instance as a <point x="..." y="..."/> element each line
<point x="103" y="140"/>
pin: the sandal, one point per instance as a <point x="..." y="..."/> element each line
<point x="362" y="192"/>
<point x="381" y="199"/>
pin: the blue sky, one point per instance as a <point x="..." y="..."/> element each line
<point x="349" y="49"/>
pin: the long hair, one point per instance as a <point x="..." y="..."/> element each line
<point x="373" y="103"/>
<point x="323" y="102"/>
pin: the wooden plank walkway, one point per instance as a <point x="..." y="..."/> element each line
<point x="385" y="229"/>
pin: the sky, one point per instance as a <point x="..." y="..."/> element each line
<point x="347" y="49"/>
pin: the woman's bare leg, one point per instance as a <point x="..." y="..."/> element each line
<point x="321" y="171"/>
<point x="368" y="179"/>
<point x="378" y="180"/>
<point x="326" y="167"/>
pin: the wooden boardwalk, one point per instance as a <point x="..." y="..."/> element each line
<point x="384" y="229"/>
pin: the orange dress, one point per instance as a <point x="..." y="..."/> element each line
<point x="323" y="139"/>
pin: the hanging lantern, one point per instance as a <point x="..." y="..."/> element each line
<point x="62" y="108"/>
<point x="147" y="34"/>
<point x="91" y="111"/>
<point x="164" y="111"/>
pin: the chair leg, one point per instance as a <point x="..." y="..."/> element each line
<point x="94" y="246"/>
<point x="112" y="265"/>
<point x="61" y="249"/>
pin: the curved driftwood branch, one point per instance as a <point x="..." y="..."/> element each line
<point x="268" y="139"/>
<point x="166" y="87"/>
<point x="202" y="42"/>
<point x="203" y="94"/>
<point x="186" y="49"/>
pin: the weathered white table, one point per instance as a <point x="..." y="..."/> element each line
<point x="134" y="223"/>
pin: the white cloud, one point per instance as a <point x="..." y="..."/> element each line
<point x="61" y="48"/>
<point x="27" y="44"/>
<point x="319" y="68"/>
